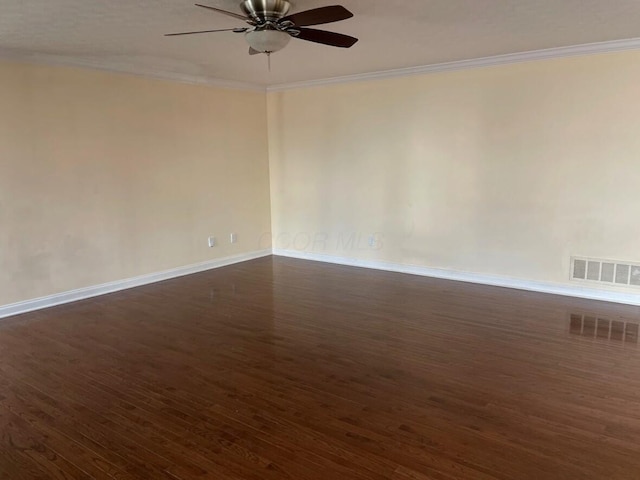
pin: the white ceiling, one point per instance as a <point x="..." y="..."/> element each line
<point x="127" y="35"/>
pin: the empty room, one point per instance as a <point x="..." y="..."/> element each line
<point x="304" y="240"/>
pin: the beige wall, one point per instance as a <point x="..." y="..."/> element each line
<point x="105" y="177"/>
<point x="504" y="171"/>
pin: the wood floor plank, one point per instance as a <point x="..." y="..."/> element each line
<point x="95" y="465"/>
<point x="286" y="369"/>
<point x="18" y="436"/>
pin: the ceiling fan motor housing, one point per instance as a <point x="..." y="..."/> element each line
<point x="265" y="10"/>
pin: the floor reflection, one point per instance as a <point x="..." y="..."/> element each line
<point x="595" y="327"/>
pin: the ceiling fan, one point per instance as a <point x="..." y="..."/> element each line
<point x="271" y="28"/>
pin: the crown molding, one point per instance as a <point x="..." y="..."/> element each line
<point x="128" y="69"/>
<point x="511" y="58"/>
<point x="507" y="59"/>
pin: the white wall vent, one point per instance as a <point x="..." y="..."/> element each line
<point x="605" y="271"/>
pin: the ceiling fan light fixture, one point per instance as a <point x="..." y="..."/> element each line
<point x="267" y="41"/>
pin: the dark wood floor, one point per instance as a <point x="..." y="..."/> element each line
<point x="285" y="369"/>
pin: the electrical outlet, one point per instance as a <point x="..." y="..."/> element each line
<point x="233" y="238"/>
<point x="212" y="242"/>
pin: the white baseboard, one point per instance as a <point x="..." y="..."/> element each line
<point x="496" y="281"/>
<point x="111" y="287"/>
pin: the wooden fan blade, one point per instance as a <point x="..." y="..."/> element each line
<point x="224" y="12"/>
<point x="326" y="38"/>
<point x="318" y="16"/>
<point x="236" y="30"/>
<point x="253" y="51"/>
